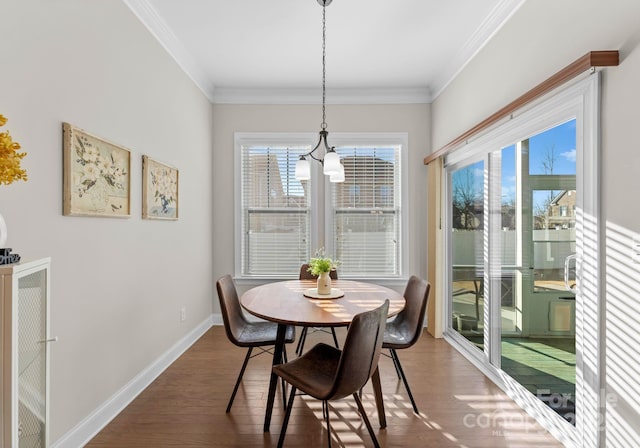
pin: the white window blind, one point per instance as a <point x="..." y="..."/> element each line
<point x="366" y="212"/>
<point x="275" y="211"/>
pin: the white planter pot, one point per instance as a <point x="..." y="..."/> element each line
<point x="324" y="283"/>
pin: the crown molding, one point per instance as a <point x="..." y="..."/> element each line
<point x="163" y="34"/>
<point x="231" y="95"/>
<point x="500" y="14"/>
<point x="159" y="29"/>
<point x="313" y="96"/>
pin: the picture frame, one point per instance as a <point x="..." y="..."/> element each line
<point x="96" y="175"/>
<point x="160" y="187"/>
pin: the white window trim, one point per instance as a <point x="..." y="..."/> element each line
<point x="319" y="194"/>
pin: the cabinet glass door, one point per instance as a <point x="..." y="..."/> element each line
<point x="32" y="359"/>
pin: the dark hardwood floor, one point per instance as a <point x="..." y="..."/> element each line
<point x="185" y="406"/>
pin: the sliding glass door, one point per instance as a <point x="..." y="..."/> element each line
<point x="513" y="229"/>
<point x="538" y="331"/>
<point x="520" y="257"/>
<point x="467" y="232"/>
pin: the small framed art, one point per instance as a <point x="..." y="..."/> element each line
<point x="96" y="175"/>
<point x="159" y="190"/>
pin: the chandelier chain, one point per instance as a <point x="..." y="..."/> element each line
<point x="324" y="72"/>
<point x="331" y="164"/>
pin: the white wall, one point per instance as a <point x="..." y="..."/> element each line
<point x="621" y="165"/>
<point x="540" y="39"/>
<point x="411" y="118"/>
<point x="117" y="284"/>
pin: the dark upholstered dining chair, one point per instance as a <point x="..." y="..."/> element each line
<point x="242" y="332"/>
<point x="405" y="329"/>
<point x="327" y="373"/>
<point x="306" y="275"/>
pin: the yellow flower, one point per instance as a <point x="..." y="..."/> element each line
<point x="10" y="170"/>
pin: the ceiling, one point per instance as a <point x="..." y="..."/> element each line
<point x="271" y="51"/>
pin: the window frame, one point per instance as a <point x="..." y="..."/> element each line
<point x="321" y="225"/>
<point x="376" y="139"/>
<point x="267" y="139"/>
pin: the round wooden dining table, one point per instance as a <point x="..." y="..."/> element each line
<point x="286" y="304"/>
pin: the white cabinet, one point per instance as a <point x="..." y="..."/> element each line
<point x="24" y="345"/>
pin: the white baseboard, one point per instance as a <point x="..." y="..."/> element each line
<point x="84" y="431"/>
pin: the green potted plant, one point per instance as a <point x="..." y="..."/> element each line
<point x="320" y="265"/>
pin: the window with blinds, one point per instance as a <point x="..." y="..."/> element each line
<point x="275" y="211"/>
<point x="365" y="211"/>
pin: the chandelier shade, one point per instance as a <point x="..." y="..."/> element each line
<point x="339" y="176"/>
<point x="331" y="163"/>
<point x="303" y="169"/>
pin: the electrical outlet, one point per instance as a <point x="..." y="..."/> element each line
<point x="183" y="314"/>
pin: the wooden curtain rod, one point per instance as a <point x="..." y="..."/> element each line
<point x="586" y="62"/>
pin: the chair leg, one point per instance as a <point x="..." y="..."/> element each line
<point x="303" y="337"/>
<point x="404" y="380"/>
<point x="326" y="405"/>
<point x="287" y="414"/>
<point x="335" y="339"/>
<point x="366" y="420"/>
<point x="395" y="364"/>
<point x="284" y="384"/>
<point x="235" y="388"/>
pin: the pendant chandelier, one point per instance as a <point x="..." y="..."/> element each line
<point x="331" y="165"/>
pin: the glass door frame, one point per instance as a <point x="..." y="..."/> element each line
<point x="580" y="101"/>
